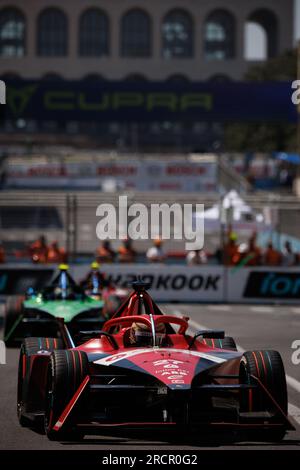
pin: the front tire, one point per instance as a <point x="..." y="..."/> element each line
<point x="66" y="371"/>
<point x="29" y="347"/>
<point x="268" y="367"/>
<point x="13" y="310"/>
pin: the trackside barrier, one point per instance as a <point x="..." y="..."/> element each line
<point x="171" y="282"/>
<point x="263" y="285"/>
<point x="175" y="282"/>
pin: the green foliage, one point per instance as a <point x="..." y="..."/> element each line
<point x="260" y="137"/>
<point x="265" y="137"/>
<point x="280" y="68"/>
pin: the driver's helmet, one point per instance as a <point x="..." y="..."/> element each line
<point x="30" y="292"/>
<point x="63" y="285"/>
<point x="63" y="267"/>
<point x="141" y="334"/>
<point x="95" y="265"/>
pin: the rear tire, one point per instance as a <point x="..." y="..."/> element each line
<point x="268" y="367"/>
<point x="225" y="343"/>
<point x="67" y="369"/>
<point x="30" y="346"/>
<point x="13" y="310"/>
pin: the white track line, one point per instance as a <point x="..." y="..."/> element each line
<point x="219" y="308"/>
<point x="262" y="309"/>
<point x="294" y="411"/>
<point x="293" y="383"/>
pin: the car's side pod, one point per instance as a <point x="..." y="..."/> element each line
<point x="215" y="334"/>
<point x="86" y="335"/>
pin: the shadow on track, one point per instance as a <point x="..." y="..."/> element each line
<point x="141" y="438"/>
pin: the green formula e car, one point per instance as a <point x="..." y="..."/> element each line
<point x="37" y="312"/>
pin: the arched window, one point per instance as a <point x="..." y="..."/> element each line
<point x="220" y="32"/>
<point x="12" y="33"/>
<point x="93" y="33"/>
<point x="261" y="35"/>
<point x="52" y="33"/>
<point x="136" y="34"/>
<point x="177" y="35"/>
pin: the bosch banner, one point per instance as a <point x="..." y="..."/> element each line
<point x="145" y="101"/>
<point x="148" y="175"/>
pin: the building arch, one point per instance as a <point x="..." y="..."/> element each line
<point x="10" y="76"/>
<point x="52" y="77"/>
<point x="220" y="78"/>
<point x="178" y="34"/>
<point x="178" y="78"/>
<point x="52" y="33"/>
<point x="263" y="25"/>
<point x="220" y="35"/>
<point x="135" y="77"/>
<point x="12" y="32"/>
<point x="136" y="34"/>
<point x="94" y="33"/>
<point x="94" y="77"/>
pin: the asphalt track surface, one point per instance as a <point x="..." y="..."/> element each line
<point x="253" y="327"/>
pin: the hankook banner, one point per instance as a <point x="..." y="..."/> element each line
<point x="176" y="282"/>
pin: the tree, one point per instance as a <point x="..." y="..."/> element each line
<point x="264" y="136"/>
<point x="280" y="68"/>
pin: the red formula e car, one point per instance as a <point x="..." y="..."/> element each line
<point x="144" y="369"/>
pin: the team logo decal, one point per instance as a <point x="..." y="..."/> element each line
<point x="107" y="361"/>
<point x="171" y="370"/>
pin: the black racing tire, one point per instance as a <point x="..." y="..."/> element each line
<point x="268" y="367"/>
<point x="225" y="343"/>
<point x="67" y="369"/>
<point x="30" y="346"/>
<point x="13" y="310"/>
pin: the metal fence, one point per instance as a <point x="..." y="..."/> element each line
<point x="70" y="218"/>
